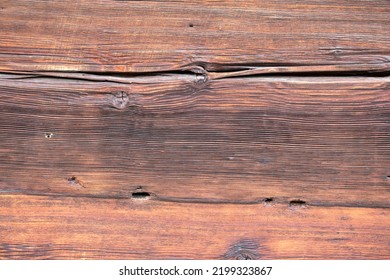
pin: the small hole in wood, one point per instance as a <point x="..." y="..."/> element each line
<point x="72" y="179"/>
<point x="75" y="182"/>
<point x="49" y="135"/>
<point x="297" y="203"/>
<point x="140" y="195"/>
<point x="268" y="200"/>
<point x="191" y="25"/>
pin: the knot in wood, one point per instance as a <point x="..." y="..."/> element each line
<point x="245" y="249"/>
<point x="120" y="100"/>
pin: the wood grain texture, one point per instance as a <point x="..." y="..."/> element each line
<point x="56" y="228"/>
<point x="150" y="36"/>
<point x="233" y="140"/>
<point x="195" y="129"/>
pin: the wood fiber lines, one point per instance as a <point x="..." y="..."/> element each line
<point x="151" y="36"/>
<point x="195" y="130"/>
<point x="234" y="140"/>
<point x="84" y="228"/>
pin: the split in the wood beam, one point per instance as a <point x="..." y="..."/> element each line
<point x="140" y="194"/>
<point x="202" y="72"/>
<point x="297" y="203"/>
<point x="268" y="201"/>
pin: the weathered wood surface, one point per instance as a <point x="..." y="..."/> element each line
<point x="202" y="129"/>
<point x="146" y="36"/>
<point x="233" y="140"/>
<point x="120" y="229"/>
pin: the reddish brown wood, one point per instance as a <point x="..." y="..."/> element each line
<point x="202" y="129"/>
<point x="146" y="36"/>
<point x="36" y="227"/>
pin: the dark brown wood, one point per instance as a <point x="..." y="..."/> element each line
<point x="234" y="140"/>
<point x="194" y="129"/>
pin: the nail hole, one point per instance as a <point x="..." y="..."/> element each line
<point x="268" y="200"/>
<point x="140" y="195"/>
<point x="49" y="135"/>
<point x="297" y="203"/>
<point x="73" y="181"/>
<point x="191" y="25"/>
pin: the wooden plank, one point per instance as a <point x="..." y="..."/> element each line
<point x="150" y="36"/>
<point x="194" y="130"/>
<point x="324" y="140"/>
<point x="37" y="227"/>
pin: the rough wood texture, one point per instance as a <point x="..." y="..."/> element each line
<point x="121" y="229"/>
<point x="237" y="140"/>
<point x="145" y="36"/>
<point x="194" y="129"/>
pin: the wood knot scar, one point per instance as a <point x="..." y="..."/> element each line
<point x="201" y="75"/>
<point x="336" y="51"/>
<point x="245" y="249"/>
<point x="201" y="78"/>
<point x="120" y="100"/>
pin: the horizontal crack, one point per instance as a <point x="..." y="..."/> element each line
<point x="199" y="72"/>
<point x="312" y="70"/>
<point x="153" y="197"/>
<point x="121" y="78"/>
